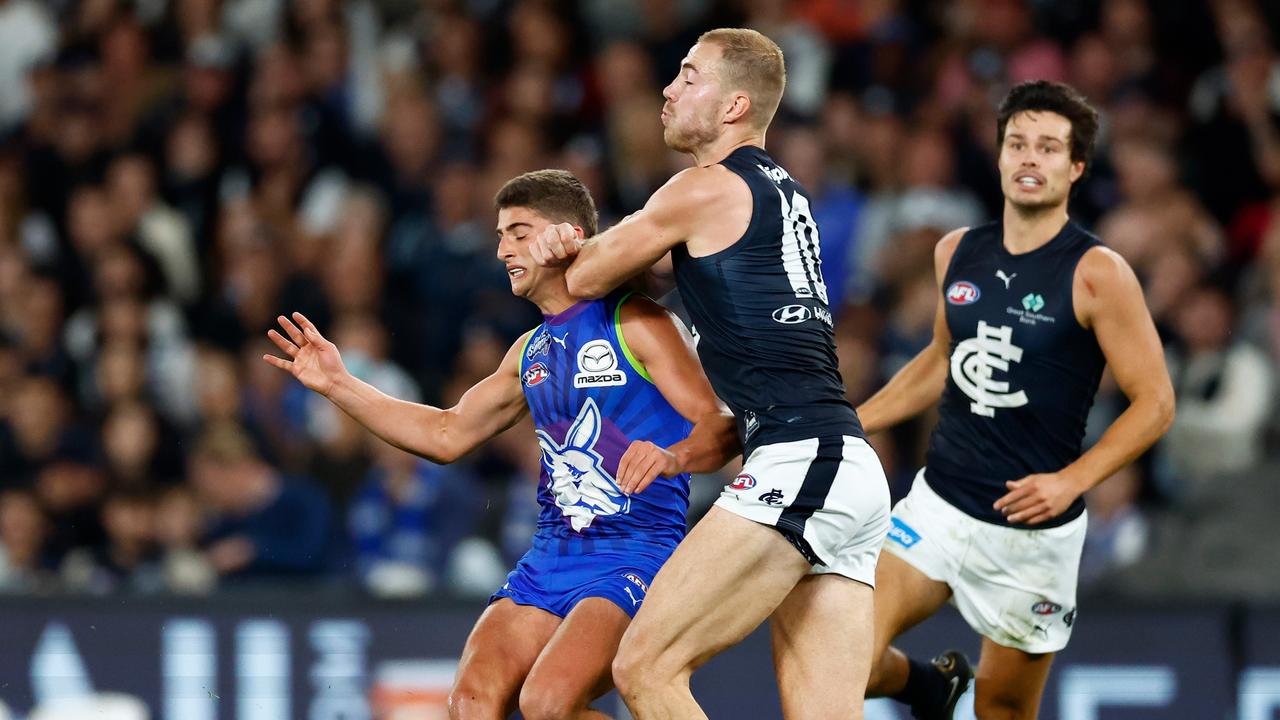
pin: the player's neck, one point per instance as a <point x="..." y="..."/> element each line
<point x="1025" y="231"/>
<point x="553" y="301"/>
<point x="723" y="146"/>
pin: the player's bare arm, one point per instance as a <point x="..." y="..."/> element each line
<point x="662" y="345"/>
<point x="491" y="406"/>
<point x="708" y="208"/>
<point x="1108" y="300"/>
<point x="920" y="382"/>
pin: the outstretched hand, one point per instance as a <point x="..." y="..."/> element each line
<point x="642" y="463"/>
<point x="557" y="245"/>
<point x="314" y="361"/>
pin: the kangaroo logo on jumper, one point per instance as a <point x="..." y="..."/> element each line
<point x="1006" y="278"/>
<point x="976" y="359"/>
<point x="598" y="366"/>
<point x="582" y="488"/>
<point x="1033" y="302"/>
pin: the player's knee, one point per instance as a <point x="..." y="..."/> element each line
<point x="633" y="669"/>
<point x="468" y="701"/>
<point x="546" y="701"/>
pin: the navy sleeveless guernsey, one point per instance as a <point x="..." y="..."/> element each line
<point x="1023" y="372"/>
<point x="761" y="319"/>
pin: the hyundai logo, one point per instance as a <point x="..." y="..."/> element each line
<point x="792" y="314"/>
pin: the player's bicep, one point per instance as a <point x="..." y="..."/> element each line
<point x="490" y="406"/>
<point x="665" y="348"/>
<point x="1126" y="334"/>
<point x="942" y="254"/>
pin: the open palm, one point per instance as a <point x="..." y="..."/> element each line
<point x="314" y="361"/>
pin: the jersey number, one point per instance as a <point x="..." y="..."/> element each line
<point x="800" y="248"/>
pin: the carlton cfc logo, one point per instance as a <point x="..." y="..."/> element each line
<point x="963" y="292"/>
<point x="742" y="482"/>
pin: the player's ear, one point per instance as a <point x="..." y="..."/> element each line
<point x="1077" y="170"/>
<point x="739" y="106"/>
<point x="582" y="234"/>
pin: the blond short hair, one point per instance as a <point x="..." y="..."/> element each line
<point x="753" y="63"/>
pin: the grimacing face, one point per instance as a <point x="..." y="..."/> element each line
<point x="517" y="228"/>
<point x="694" y="100"/>
<point x="1036" y="169"/>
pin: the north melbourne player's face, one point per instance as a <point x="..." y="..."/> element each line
<point x="694" y="101"/>
<point x="517" y="228"/>
<point x="1036" y="170"/>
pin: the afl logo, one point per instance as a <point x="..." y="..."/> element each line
<point x="742" y="482"/>
<point x="635" y="580"/>
<point x="536" y="374"/>
<point x="792" y="314"/>
<point x="963" y="292"/>
<point x="1045" y="608"/>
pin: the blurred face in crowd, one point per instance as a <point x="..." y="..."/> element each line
<point x="1204" y="320"/>
<point x="22" y="527"/>
<point x="517" y="227"/>
<point x="178" y="521"/>
<point x="694" y="100"/>
<point x="1036" y="170"/>
<point x="129" y="521"/>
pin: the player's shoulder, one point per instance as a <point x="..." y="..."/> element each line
<point x="945" y="248"/>
<point x="636" y="307"/>
<point x="703" y="186"/>
<point x="1103" y="272"/>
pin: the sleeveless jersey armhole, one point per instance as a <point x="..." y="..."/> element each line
<point x="622" y="340"/>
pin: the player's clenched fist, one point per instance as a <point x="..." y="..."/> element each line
<point x="557" y="245"/>
<point x="642" y="463"/>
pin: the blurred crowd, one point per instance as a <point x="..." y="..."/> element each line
<point x="176" y="173"/>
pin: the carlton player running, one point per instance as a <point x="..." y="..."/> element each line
<point x="1030" y="310"/>
<point x="620" y="405"/>
<point x="796" y="536"/>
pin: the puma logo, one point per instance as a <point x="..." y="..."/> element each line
<point x="1000" y="274"/>
<point x="561" y="340"/>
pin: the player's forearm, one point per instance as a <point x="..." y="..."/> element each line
<point x="593" y="274"/>
<point x="911" y="391"/>
<point x="712" y="443"/>
<point x="420" y="429"/>
<point x="1137" y="428"/>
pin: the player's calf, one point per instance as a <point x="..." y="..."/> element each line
<point x="933" y="689"/>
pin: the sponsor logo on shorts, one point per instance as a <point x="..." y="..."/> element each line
<point x="963" y="292"/>
<point x="773" y="497"/>
<point x="1044" y="607"/>
<point x="902" y="534"/>
<point x="742" y="482"/>
<point x="536" y="374"/>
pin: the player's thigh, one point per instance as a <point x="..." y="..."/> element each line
<point x="904" y="597"/>
<point x="499" y="653"/>
<point x="1010" y="682"/>
<point x="723" y="580"/>
<point x="574" y="667"/>
<point x="822" y="647"/>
